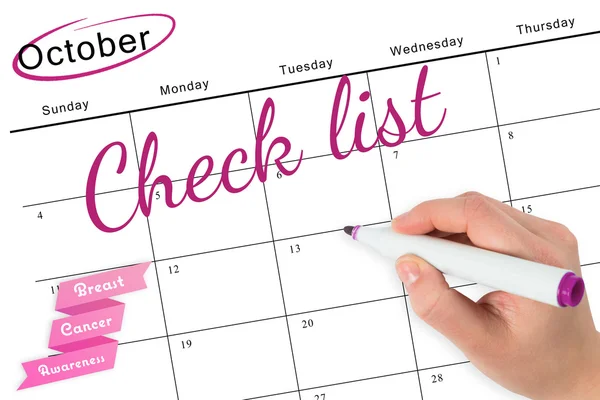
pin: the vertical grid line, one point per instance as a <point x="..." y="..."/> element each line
<point x="387" y="193"/>
<point x="498" y="127"/>
<point x="156" y="270"/>
<point x="276" y="260"/>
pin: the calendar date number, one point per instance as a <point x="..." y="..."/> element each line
<point x="307" y="323"/>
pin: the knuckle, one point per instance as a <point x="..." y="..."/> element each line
<point x="564" y="234"/>
<point x="431" y="311"/>
<point x="470" y="193"/>
<point x="476" y="206"/>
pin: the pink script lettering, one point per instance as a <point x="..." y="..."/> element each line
<point x="261" y="160"/>
<point x="398" y="134"/>
<point x="150" y="154"/>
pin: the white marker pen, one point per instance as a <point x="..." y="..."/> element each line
<point x="540" y="282"/>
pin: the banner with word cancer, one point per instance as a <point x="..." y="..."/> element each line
<point x="80" y="336"/>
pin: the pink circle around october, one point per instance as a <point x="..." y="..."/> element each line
<point x="96" y="71"/>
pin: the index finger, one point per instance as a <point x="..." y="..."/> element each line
<point x="484" y="224"/>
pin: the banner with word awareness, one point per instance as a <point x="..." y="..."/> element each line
<point x="80" y="336"/>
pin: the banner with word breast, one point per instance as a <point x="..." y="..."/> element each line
<point x="80" y="336"/>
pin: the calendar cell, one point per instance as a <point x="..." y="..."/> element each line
<point x="64" y="233"/>
<point x="237" y="362"/>
<point x="306" y="123"/>
<point x="535" y="154"/>
<point x="349" y="343"/>
<point x="330" y="270"/>
<point x="223" y="221"/>
<point x="136" y="365"/>
<point x="577" y="210"/>
<point x="464" y="92"/>
<point x="444" y="167"/>
<point x="187" y="132"/>
<point x="213" y="289"/>
<point x="327" y="194"/>
<point x="404" y="386"/>
<point x="546" y="79"/>
<point x="456" y="381"/>
<point x="432" y="348"/>
<point x="59" y="159"/>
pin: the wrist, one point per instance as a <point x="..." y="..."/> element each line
<point x="587" y="375"/>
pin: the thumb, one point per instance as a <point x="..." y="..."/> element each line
<point x="467" y="324"/>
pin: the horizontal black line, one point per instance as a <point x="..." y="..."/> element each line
<point x="143" y="340"/>
<point x="310" y="81"/>
<point x="212" y="328"/>
<point x="588" y="264"/>
<point x="271" y="395"/>
<point x="279" y="316"/>
<point x="271" y="318"/>
<point x="79" y="197"/>
<point x="313" y="234"/>
<point x="444" y="366"/>
<point x="84" y="273"/>
<point x="214" y="251"/>
<point x="447" y="134"/>
<point x="359" y="380"/>
<point x="314" y="157"/>
<point x="184" y="179"/>
<point x="211" y="251"/>
<point x="385" y="376"/>
<point x="549" y="117"/>
<point x="207" y="252"/>
<point x="559" y="192"/>
<point x="360" y="303"/>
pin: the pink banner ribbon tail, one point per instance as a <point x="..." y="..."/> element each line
<point x="100" y="356"/>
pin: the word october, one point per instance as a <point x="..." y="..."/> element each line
<point x="388" y="136"/>
<point x="85" y="50"/>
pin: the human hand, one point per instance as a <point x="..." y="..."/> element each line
<point x="530" y="348"/>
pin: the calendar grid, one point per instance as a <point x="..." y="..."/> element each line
<point x="273" y="241"/>
<point x="498" y="127"/>
<point x="287" y="322"/>
<point x="156" y="269"/>
<point x="387" y="195"/>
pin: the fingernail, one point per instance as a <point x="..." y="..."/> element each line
<point x="408" y="272"/>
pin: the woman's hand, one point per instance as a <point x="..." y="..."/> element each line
<point x="534" y="349"/>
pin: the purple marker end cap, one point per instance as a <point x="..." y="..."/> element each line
<point x="570" y="290"/>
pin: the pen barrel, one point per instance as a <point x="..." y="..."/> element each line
<point x="498" y="271"/>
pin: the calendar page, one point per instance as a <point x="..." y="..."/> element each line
<point x="218" y="150"/>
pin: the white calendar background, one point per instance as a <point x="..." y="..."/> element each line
<point x="233" y="310"/>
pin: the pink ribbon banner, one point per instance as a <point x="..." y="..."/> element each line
<point x="80" y="336"/>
